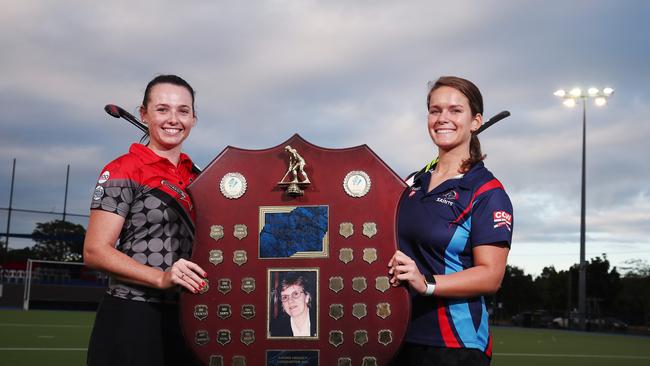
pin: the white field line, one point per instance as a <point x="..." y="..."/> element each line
<point x="41" y="349"/>
<point x="44" y="325"/>
<point x="567" y="355"/>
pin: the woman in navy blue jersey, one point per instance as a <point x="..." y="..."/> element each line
<point x="141" y="232"/>
<point x="454" y="230"/>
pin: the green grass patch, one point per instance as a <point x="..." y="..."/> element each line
<point x="524" y="346"/>
<point x="44" y="337"/>
<point x="56" y="338"/>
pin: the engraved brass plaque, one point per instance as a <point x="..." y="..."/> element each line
<point x="382" y="284"/>
<point x="369" y="229"/>
<point x="216" y="256"/>
<point x="240" y="231"/>
<point x="223" y="336"/>
<point x="200" y="311"/>
<point x="383" y="310"/>
<point x="205" y="288"/>
<point x="360" y="337"/>
<point x="247" y="336"/>
<point x="344" y="361"/>
<point x="336" y="338"/>
<point x="248" y="284"/>
<point x="385" y="336"/>
<point x="239" y="257"/>
<point x="216" y="232"/>
<point x="238" y="360"/>
<point x="359" y="310"/>
<point x="201" y="337"/>
<point x="346" y="255"/>
<point x="359" y="284"/>
<point x="336" y="284"/>
<point x="248" y="311"/>
<point x="370" y="255"/>
<point x="225" y="285"/>
<point x="216" y="360"/>
<point x="336" y="311"/>
<point x="369" y="361"/>
<point x="346" y="229"/>
<point x="224" y="311"/>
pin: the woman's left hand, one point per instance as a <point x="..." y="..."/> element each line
<point x="186" y="274"/>
<point x="404" y="269"/>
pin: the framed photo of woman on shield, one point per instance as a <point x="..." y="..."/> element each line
<point x="292" y="303"/>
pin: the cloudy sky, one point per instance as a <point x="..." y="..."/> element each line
<point x="343" y="73"/>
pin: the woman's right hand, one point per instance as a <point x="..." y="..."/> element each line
<point x="184" y="273"/>
<point x="402" y="269"/>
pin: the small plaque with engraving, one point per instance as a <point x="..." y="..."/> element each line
<point x="224" y="311"/>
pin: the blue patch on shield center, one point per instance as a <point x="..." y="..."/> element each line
<point x="287" y="233"/>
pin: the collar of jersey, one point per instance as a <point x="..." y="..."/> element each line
<point x="149" y="157"/>
<point x="466" y="182"/>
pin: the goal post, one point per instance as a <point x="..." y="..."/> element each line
<point x="55" y="284"/>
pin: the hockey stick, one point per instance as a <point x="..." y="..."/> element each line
<point x="119" y="112"/>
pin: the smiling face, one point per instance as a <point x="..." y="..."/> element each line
<point x="451" y="121"/>
<point x="169" y="116"/>
<point x="294" y="300"/>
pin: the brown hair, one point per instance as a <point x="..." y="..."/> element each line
<point x="296" y="279"/>
<point x="475" y="98"/>
<point x="167" y="79"/>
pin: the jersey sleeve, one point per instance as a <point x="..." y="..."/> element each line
<point x="492" y="219"/>
<point x="115" y="189"/>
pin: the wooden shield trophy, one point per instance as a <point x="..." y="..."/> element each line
<point x="295" y="240"/>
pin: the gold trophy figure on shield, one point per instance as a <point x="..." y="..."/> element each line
<point x="297" y="169"/>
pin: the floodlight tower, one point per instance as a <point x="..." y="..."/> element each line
<point x="570" y="100"/>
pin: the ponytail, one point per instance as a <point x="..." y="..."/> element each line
<point x="475" y="154"/>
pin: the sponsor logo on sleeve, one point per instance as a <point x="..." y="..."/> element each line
<point x="99" y="192"/>
<point x="502" y="218"/>
<point x="104" y="177"/>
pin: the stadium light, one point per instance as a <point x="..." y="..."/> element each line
<point x="570" y="100"/>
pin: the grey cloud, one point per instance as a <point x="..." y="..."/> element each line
<point x="344" y="73"/>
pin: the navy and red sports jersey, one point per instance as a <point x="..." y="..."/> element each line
<point x="438" y="230"/>
<point x="149" y="192"/>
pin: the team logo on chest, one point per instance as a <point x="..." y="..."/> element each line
<point x="414" y="190"/>
<point x="448" y="198"/>
<point x="178" y="191"/>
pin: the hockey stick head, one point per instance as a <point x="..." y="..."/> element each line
<point x="119" y="112"/>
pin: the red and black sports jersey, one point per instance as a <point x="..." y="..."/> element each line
<point x="438" y="230"/>
<point x="149" y="192"/>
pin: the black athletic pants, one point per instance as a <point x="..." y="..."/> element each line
<point x="419" y="355"/>
<point x="128" y="332"/>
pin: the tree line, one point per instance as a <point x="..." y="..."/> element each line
<point x="610" y="293"/>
